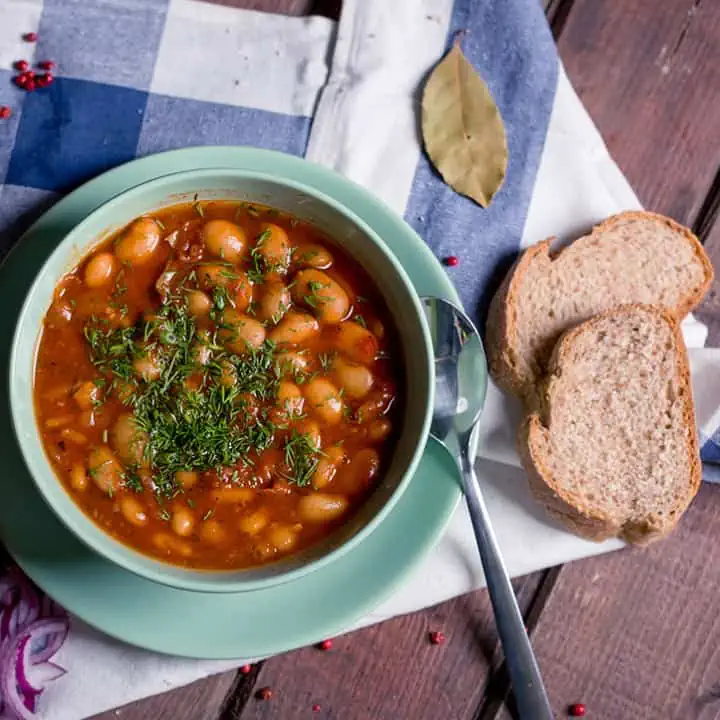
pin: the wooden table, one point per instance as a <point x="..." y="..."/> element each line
<point x="634" y="634"/>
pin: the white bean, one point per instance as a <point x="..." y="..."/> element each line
<point x="322" y="507"/>
<point x="315" y="256"/>
<point x="327" y="466"/>
<point x="317" y="290"/>
<point x="183" y="521"/>
<point x="290" y="401"/>
<point x="254" y="523"/>
<point x="105" y="469"/>
<point x="211" y="531"/>
<point x="295" y="328"/>
<point x="199" y="304"/>
<point x="78" y="477"/>
<point x="274" y="247"/>
<point x="274" y="302"/>
<point x="283" y="537"/>
<point x="100" y="269"/>
<point x="128" y="440"/>
<point x="87" y="395"/>
<point x="356" y="342"/>
<point x="138" y="242"/>
<point x="356" y="380"/>
<point x="224" y="239"/>
<point x="133" y="511"/>
<point x="239" y="332"/>
<point x="186" y="478"/>
<point x="324" y="400"/>
<point x="289" y="363"/>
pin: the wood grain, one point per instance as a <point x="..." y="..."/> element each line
<point x="649" y="72"/>
<point x="391" y="671"/>
<point x="636" y="634"/>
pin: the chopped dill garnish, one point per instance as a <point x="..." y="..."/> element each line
<point x="359" y="319"/>
<point x="326" y="360"/>
<point x="301" y="457"/>
<point x="187" y="427"/>
<point x="313" y="299"/>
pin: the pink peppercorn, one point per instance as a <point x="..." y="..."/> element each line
<point x="437" y="637"/>
<point x="451" y="261"/>
<point x="577" y="710"/>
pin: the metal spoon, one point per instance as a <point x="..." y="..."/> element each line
<point x="460" y="383"/>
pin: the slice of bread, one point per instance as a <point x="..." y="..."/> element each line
<point x="634" y="257"/>
<point x="612" y="449"/>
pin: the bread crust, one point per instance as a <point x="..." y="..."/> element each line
<point x="502" y="317"/>
<point x="580" y="518"/>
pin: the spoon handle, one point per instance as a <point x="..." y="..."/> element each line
<point x="530" y="696"/>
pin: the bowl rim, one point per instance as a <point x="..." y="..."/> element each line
<point x="111" y="548"/>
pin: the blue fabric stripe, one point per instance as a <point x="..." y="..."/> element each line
<point x="510" y="45"/>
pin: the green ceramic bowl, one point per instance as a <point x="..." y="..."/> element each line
<point x="345" y="229"/>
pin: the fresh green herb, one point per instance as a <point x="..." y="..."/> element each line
<point x="132" y="480"/>
<point x="186" y="428"/>
<point x="359" y="319"/>
<point x="313" y="299"/>
<point x="326" y="360"/>
<point x="301" y="457"/>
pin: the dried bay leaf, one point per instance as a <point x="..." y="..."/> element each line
<point x="463" y="130"/>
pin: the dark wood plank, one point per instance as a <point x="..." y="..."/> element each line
<point x="391" y="671"/>
<point x="648" y="72"/>
<point x="635" y="634"/>
<point x="202" y="700"/>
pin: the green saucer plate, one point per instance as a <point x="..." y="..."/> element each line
<point x="236" y="625"/>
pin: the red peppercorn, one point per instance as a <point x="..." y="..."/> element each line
<point x="316" y="708"/>
<point x="437" y="637"/>
<point x="45" y="79"/>
<point x="21" y="65"/>
<point x="246" y="669"/>
<point x="20" y="80"/>
<point x="451" y="261"/>
<point x="46" y="65"/>
<point x="264" y="693"/>
<point x="30" y="85"/>
<point x="30" y="37"/>
<point x="325" y="645"/>
<point x="29" y="74"/>
<point x="5" y="112"/>
<point x="577" y="710"/>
